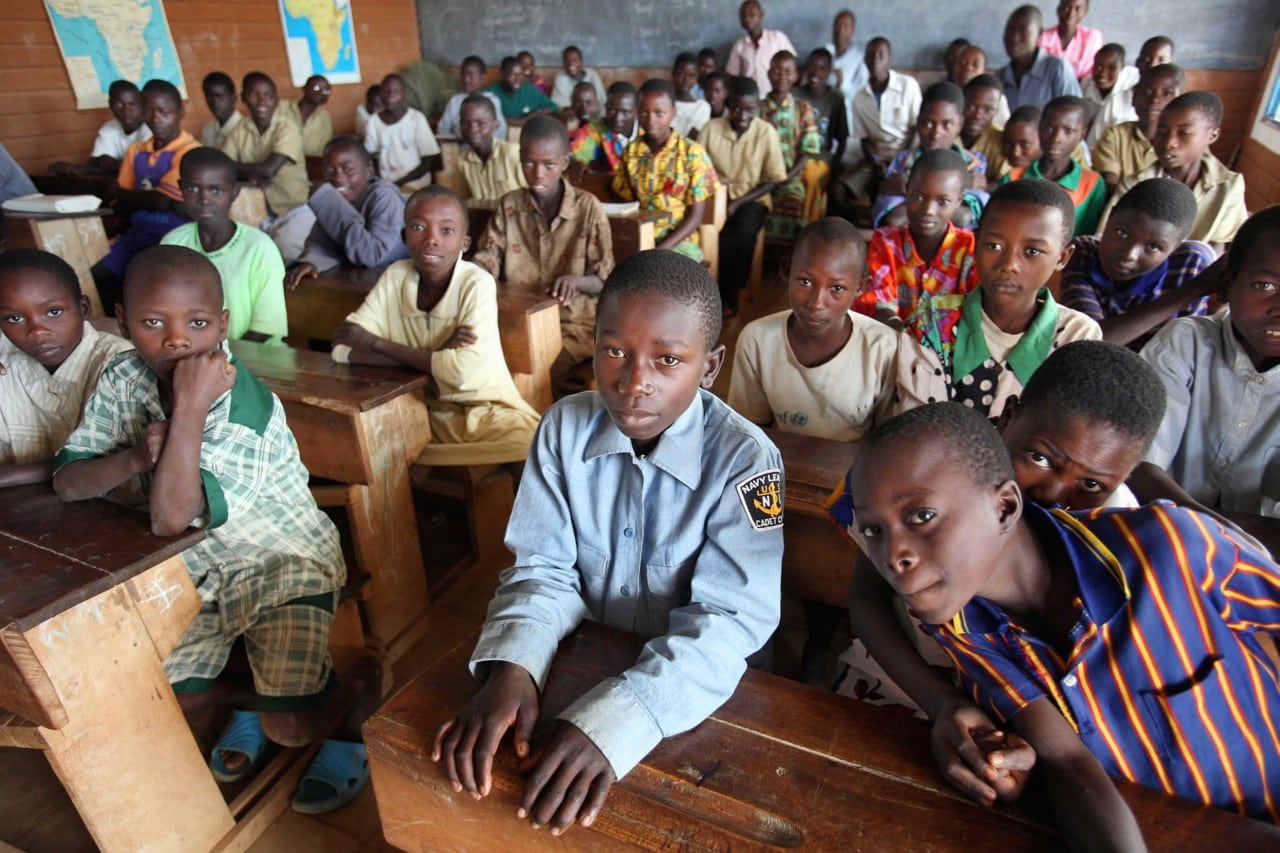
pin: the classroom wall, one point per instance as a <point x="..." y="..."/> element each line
<point x="39" y="122"/>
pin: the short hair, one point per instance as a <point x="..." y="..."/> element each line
<point x="474" y="60"/>
<point x="118" y="86"/>
<point x="218" y="78"/>
<point x="1112" y="47"/>
<point x="431" y="191"/>
<point x="941" y="160"/>
<point x="880" y="40"/>
<point x="983" y="81"/>
<point x="479" y="99"/>
<point x="256" y="77"/>
<point x="620" y="87"/>
<point x="1103" y="382"/>
<point x="782" y="54"/>
<point x="163" y="87"/>
<point x="1163" y="199"/>
<point x="659" y="86"/>
<point x="685" y="58"/>
<point x="719" y="74"/>
<point x="393" y="76"/>
<point x="1039" y="193"/>
<point x="1263" y="226"/>
<point x="522" y="54"/>
<point x="1207" y="104"/>
<point x="585" y="84"/>
<point x="541" y="128"/>
<point x="836" y="231"/>
<point x="1025" y="114"/>
<point x="348" y="142"/>
<point x="821" y="53"/>
<point x="374" y="91"/>
<point x="1028" y="11"/>
<point x="671" y="276"/>
<point x="1179" y="75"/>
<point x="944" y="92"/>
<point x="1156" y="41"/>
<point x="573" y="48"/>
<point x="968" y="440"/>
<point x="204" y="157"/>
<point x="1066" y="102"/>
<point x="743" y="87"/>
<point x="708" y="52"/>
<point x="38" y="260"/>
<point x="508" y="62"/>
<point x="178" y="260"/>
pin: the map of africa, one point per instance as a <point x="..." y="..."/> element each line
<point x="320" y="39"/>
<point x="107" y="40"/>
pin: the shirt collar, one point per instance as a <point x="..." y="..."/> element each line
<point x="444" y="309"/>
<point x="1069" y="181"/>
<point x="1145" y="283"/>
<point x="679" y="449"/>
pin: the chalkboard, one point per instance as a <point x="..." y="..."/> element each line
<point x="1220" y="34"/>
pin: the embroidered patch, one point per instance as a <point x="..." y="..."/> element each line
<point x="761" y="497"/>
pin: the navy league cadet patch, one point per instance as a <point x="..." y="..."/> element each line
<point x="761" y="496"/>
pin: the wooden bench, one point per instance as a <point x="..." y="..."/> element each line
<point x="780" y="765"/>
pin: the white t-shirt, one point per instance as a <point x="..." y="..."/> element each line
<point x="691" y="115"/>
<point x="112" y="141"/>
<point x="401" y="146"/>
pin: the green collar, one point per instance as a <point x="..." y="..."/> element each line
<point x="1027" y="355"/>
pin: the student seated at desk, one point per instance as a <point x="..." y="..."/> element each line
<point x="802" y="197"/>
<point x="439" y="314"/>
<point x="664" y="171"/>
<point x="829" y="106"/>
<point x="268" y="154"/>
<point x="692" y="112"/>
<point x="529" y="69"/>
<point x="359" y="216"/>
<point x="1062" y="127"/>
<point x="651" y="507"/>
<point x="471" y="75"/>
<point x="715" y="88"/>
<point x="489" y="168"/>
<point x="147" y="187"/>
<point x="1110" y="88"/>
<point x="55" y="361"/>
<point x="179" y="428"/>
<point x="373" y="103"/>
<point x="552" y="235"/>
<point x="1141" y="622"/>
<point x="980" y="131"/>
<point x="599" y="144"/>
<point x="584" y="107"/>
<point x="971" y="64"/>
<point x="114" y="137"/>
<point x="311" y="116"/>
<point x="220" y="96"/>
<point x="1157" y="50"/>
<point x="574" y="75"/>
<point x="247" y="261"/>
<point x="520" y="99"/>
<point x="401" y="139"/>
<point x="1125" y="149"/>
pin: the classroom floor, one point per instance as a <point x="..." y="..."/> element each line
<point x="37" y="817"/>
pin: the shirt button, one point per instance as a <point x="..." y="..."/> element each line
<point x="1069" y="681"/>
<point x="626" y="590"/>
<point x="1241" y="424"/>
<point x="629" y="533"/>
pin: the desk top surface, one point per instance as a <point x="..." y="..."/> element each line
<point x="362" y="279"/>
<point x="54" y="555"/>
<point x="303" y="376"/>
<point x="814" y="466"/>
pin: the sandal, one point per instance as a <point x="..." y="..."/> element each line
<point x="242" y="735"/>
<point x="339" y="773"/>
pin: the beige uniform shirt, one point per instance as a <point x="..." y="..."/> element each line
<point x="1219" y="193"/>
<point x="316" y="132"/>
<point x="747" y="161"/>
<point x="490" y="180"/>
<point x="214" y="134"/>
<point x="289" y="188"/>
<point x="1123" y="150"/>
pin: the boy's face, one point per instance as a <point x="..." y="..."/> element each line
<point x="435" y="232"/>
<point x="1153" y="93"/>
<point x="938" y="125"/>
<point x="821" y="284"/>
<point x="1153" y="55"/>
<point x="816" y="73"/>
<point x="980" y="107"/>
<point x="477" y="124"/>
<point x="573" y="63"/>
<point x="951" y="57"/>
<point x="472" y="78"/>
<point x="651" y="359"/>
<point x="684" y="76"/>
<point x="347" y="171"/>
<point x="1071" y="13"/>
<point x="1020" y="143"/>
<point x="1019" y="248"/>
<point x="1106" y="68"/>
<point x="40" y="316"/>
<point x="842" y="30"/>
<point x="751" y="16"/>
<point x="706" y="65"/>
<point x="1060" y="132"/>
<point x="393" y="92"/>
<point x="543" y="161"/>
<point x="164" y="116"/>
<point x="221" y="100"/>
<point x="932" y="196"/>
<point x="126" y="106"/>
<point x="656" y="114"/>
<point x="260" y="98"/>
<point x="584" y="103"/>
<point x="969" y="64"/>
<point x="716" y="93"/>
<point x="317" y="91"/>
<point x="1182" y="138"/>
<point x="1072" y="462"/>
<point x="1020" y="36"/>
<point x="783" y="74"/>
<point x="620" y="113"/>
<point x="207" y="193"/>
<point x="1134" y="243"/>
<point x="170" y="316"/>
<point x="877" y="58"/>
<point x="513" y="77"/>
<point x="930" y="530"/>
<point x="527" y="66"/>
<point x="1254" y="297"/>
<point x="374" y="103"/>
<point x="742" y="111"/>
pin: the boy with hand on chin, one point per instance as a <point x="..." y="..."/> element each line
<point x="649" y="506"/>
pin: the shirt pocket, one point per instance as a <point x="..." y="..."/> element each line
<point x="669" y="581"/>
<point x="593" y="568"/>
<point x="1172" y="710"/>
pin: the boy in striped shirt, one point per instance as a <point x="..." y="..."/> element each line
<point x="1116" y="642"/>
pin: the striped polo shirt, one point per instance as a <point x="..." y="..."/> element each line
<point x="1166" y="682"/>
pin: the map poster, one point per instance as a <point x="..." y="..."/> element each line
<point x="320" y="38"/>
<point x="102" y="41"/>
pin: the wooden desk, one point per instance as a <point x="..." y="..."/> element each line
<point x="817" y="562"/>
<point x="780" y="765"/>
<point x="78" y="238"/>
<point x="90" y="606"/>
<point x="361" y="427"/>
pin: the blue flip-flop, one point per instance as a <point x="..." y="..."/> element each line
<point x="242" y="735"/>
<point x="339" y="773"/>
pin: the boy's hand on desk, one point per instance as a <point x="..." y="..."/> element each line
<point x="467" y="743"/>
<point x="463" y="336"/>
<point x="301" y="271"/>
<point x="198" y="380"/>
<point x="570" y="780"/>
<point x="567" y="286"/>
<point x="356" y="337"/>
<point x="979" y="759"/>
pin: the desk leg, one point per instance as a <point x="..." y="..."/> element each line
<point x="126" y="755"/>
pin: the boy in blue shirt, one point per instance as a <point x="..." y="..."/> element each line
<point x="649" y="506"/>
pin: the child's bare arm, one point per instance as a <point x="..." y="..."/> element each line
<point x="761" y="190"/>
<point x="1132" y="324"/>
<point x="425" y="166"/>
<point x="468" y="742"/>
<point x="1089" y="810"/>
<point x="368" y="348"/>
<point x="93" y="478"/>
<point x="692" y="220"/>
<point x="22" y="473"/>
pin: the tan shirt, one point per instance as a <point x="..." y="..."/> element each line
<point x="1123" y="150"/>
<point x="316" y="132"/>
<point x="490" y="180"/>
<point x="521" y="247"/>
<point x="289" y="188"/>
<point x="747" y="161"/>
<point x="1219" y="193"/>
<point x="214" y="134"/>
